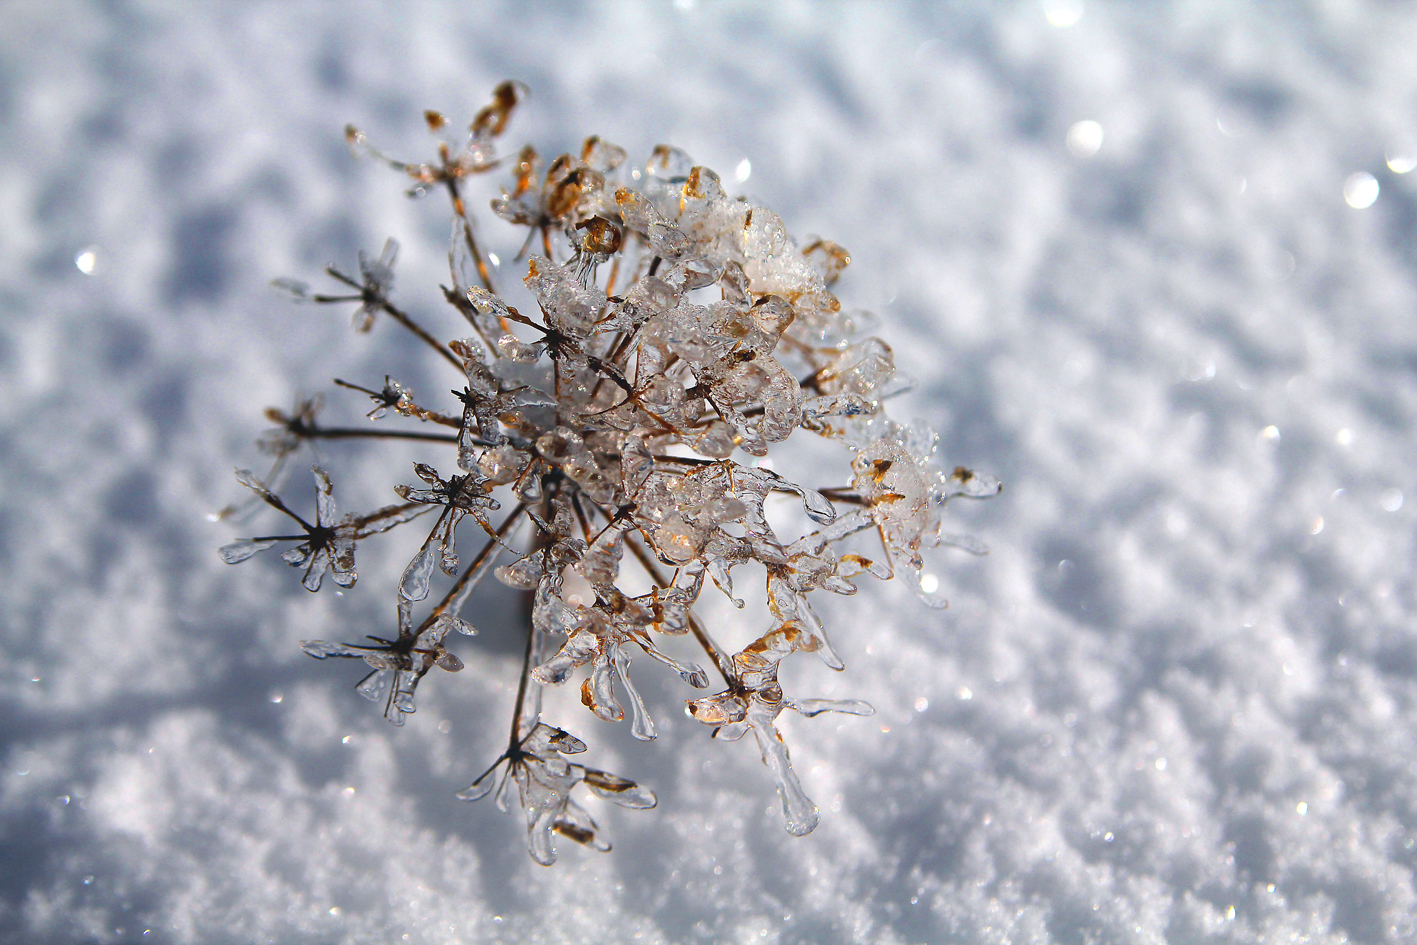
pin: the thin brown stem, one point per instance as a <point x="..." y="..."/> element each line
<point x="477" y="569"/>
<point x="614" y="274"/>
<point x="372" y="295"/>
<point x="849" y="496"/>
<point x="720" y="659"/>
<point x="348" y="433"/>
<point x="514" y="739"/>
<point x="483" y="273"/>
<point x="580" y="515"/>
<point x="539" y="542"/>
<point x="423" y="336"/>
<point x="686" y="460"/>
<point x="389" y="512"/>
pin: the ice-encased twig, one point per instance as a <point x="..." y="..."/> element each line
<point x="614" y="413"/>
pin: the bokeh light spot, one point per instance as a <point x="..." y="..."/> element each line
<point x="87" y="260"/>
<point x="1360" y="190"/>
<point x="1063" y="13"/>
<point x="1402" y="160"/>
<point x="1085" y="139"/>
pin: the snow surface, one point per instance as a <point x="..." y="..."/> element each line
<point x="1176" y="703"/>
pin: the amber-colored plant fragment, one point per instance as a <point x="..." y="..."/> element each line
<point x="614" y="448"/>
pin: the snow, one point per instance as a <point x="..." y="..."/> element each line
<point x="1152" y="266"/>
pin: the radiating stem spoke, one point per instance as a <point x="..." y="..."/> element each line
<point x="642" y="403"/>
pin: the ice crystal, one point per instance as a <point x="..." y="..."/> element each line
<point x="613" y="443"/>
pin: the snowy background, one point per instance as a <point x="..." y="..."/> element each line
<point x="1177" y="703"/>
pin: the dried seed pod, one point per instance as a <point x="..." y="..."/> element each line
<point x="617" y="441"/>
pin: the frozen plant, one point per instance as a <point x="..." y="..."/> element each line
<point x="611" y="446"/>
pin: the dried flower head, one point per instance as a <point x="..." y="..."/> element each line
<point x="615" y="442"/>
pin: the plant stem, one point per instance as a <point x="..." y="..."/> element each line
<point x="428" y="339"/>
<point x="472" y="247"/>
<point x="347" y="433"/>
<point x="538" y="544"/>
<point x="371" y="295"/>
<point x="721" y="661"/>
<point x="514" y="740"/>
<point x="477" y="569"/>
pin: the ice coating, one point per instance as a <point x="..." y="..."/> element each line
<point x="628" y="421"/>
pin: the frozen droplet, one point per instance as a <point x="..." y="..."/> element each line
<point x="478" y="789"/>
<point x="87" y="260"/>
<point x="576" y="591"/>
<point x="1360" y="190"/>
<point x="1391" y="499"/>
<point x="1084" y="139"/>
<point x="414" y="585"/>
<point x="743" y="171"/>
<point x="922" y="704"/>
<point x="323" y="649"/>
<point x="1062" y="13"/>
<point x="619" y="790"/>
<point x="241" y="549"/>
<point x="445" y="726"/>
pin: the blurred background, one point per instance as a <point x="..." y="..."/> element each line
<point x="1151" y="264"/>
